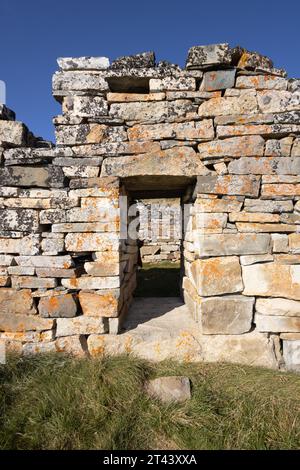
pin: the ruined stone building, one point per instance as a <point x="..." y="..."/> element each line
<point x="222" y="137"/>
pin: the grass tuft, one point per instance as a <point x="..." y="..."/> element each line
<point x="55" y="402"/>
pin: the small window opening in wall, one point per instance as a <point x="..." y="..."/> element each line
<point x="128" y="84"/>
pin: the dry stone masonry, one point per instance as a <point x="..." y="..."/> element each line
<point x="223" y="134"/>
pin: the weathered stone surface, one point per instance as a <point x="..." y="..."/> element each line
<point x="89" y="134"/>
<point x="261" y="217"/>
<point x="253" y="60"/>
<point x="78" y="81"/>
<point x="20" y="282"/>
<point x="39" y="348"/>
<point x="107" y="268"/>
<point x="273" y="190"/>
<point x="246" y="119"/>
<point x="75" y="345"/>
<point x="152" y="111"/>
<point x="23" y="322"/>
<point x="182" y="161"/>
<point x="92" y="242"/>
<point x="32" y="176"/>
<point x="212" y="54"/>
<point x="263" y="129"/>
<point x="253" y="259"/>
<point x="259" y="227"/>
<point x="233" y="244"/>
<point x="97" y="213"/>
<point x="265" y="166"/>
<point x="83" y="63"/>
<point x="230" y="314"/>
<point x="244" y="104"/>
<point x="252" y="146"/>
<point x="218" y="80"/>
<point x="85" y="282"/>
<point x="142" y="60"/>
<point x="208" y="276"/>
<point x="278" y="306"/>
<point x="296" y="148"/>
<point x="280" y="243"/>
<point x="274" y="101"/>
<point x="276" y="324"/>
<point x="172" y="84"/>
<point x="257" y="205"/>
<point x="279" y="148"/>
<point x="173" y="389"/>
<point x="206" y="220"/>
<point x="85" y="106"/>
<point x="58" y="306"/>
<point x="86" y="227"/>
<point x="45" y="261"/>
<point x="81" y="325"/>
<point x="291" y="354"/>
<point x="272" y="280"/>
<point x="294" y="242"/>
<point x="28" y="245"/>
<point x="16" y="302"/>
<point x="134" y="97"/>
<point x="6" y="114"/>
<point x="21" y="271"/>
<point x="228" y="184"/>
<point x="261" y="82"/>
<point x="19" y="219"/>
<point x="188" y="131"/>
<point x="217" y="205"/>
<point x="253" y="348"/>
<point x="13" y="133"/>
<point x="99" y="304"/>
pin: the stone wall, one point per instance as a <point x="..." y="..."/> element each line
<point x="160" y="229"/>
<point x="224" y="133"/>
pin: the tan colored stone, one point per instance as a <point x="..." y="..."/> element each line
<point x="99" y="304"/>
<point x="209" y="278"/>
<point x="294" y="242"/>
<point x="276" y="101"/>
<point x="81" y="325"/>
<point x="276" y="324"/>
<point x="247" y="185"/>
<point x="92" y="242"/>
<point x="207" y="220"/>
<point x="217" y="205"/>
<point x="272" y="190"/>
<point x="261" y="82"/>
<point x="16" y="302"/>
<point x="230" y="314"/>
<point x="257" y="228"/>
<point x="88" y="282"/>
<point x="244" y="104"/>
<point x="232" y="244"/>
<point x="259" y="205"/>
<point x="279" y="148"/>
<point x="131" y="97"/>
<point x="245" y="146"/>
<point x="28" y="245"/>
<point x="253" y="259"/>
<point x="151" y="111"/>
<point x="272" y="280"/>
<point x="23" y="322"/>
<point x="278" y="307"/>
<point x="58" y="306"/>
<point x="31" y="282"/>
<point x="253" y="217"/>
<point x="45" y="261"/>
<point x="202" y="130"/>
<point x="75" y="345"/>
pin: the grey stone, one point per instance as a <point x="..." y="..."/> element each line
<point x="143" y="60"/>
<point x="89" y="134"/>
<point x="173" y="389"/>
<point x="291" y="354"/>
<point x="228" y="184"/>
<point x="218" y="80"/>
<point x="19" y="219"/>
<point x="58" y="306"/>
<point x="230" y="314"/>
<point x="151" y="111"/>
<point x="212" y="54"/>
<point x="265" y="166"/>
<point x="13" y="133"/>
<point x="78" y="81"/>
<point x="258" y="205"/>
<point x="85" y="106"/>
<point x="233" y="244"/>
<point x="32" y="176"/>
<point x="83" y="63"/>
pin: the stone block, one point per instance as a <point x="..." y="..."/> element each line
<point x="174" y="389"/>
<point x="88" y="282"/>
<point x="276" y="324"/>
<point x="172" y="84"/>
<point x="218" y="80"/>
<point x="58" y="306"/>
<point x="272" y="280"/>
<point x="133" y="97"/>
<point x="83" y="63"/>
<point x="276" y="101"/>
<point x="279" y="148"/>
<point x="32" y="176"/>
<point x="291" y="355"/>
<point x="22" y="322"/>
<point x="246" y="260"/>
<point x="45" y="261"/>
<point x="202" y="130"/>
<point x="261" y="82"/>
<point x="16" y="302"/>
<point x="89" y="134"/>
<point x="278" y="307"/>
<point x="247" y="185"/>
<point x="28" y="245"/>
<point x="81" y="325"/>
<point x="74" y="345"/>
<point x="31" y="282"/>
<point x="212" y="54"/>
<point x="233" y="244"/>
<point x="13" y="133"/>
<point x="209" y="278"/>
<point x="217" y="205"/>
<point x="223" y="106"/>
<point x="92" y="242"/>
<point x="230" y="314"/>
<point x="151" y="111"/>
<point x="99" y="304"/>
<point x="259" y="205"/>
<point x="252" y="146"/>
<point x="265" y="166"/>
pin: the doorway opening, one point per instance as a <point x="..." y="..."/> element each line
<point x="154" y="251"/>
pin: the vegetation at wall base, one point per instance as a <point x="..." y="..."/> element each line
<point x="56" y="402"/>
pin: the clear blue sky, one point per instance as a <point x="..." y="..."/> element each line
<point x="35" y="32"/>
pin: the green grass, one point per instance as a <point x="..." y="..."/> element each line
<point x="158" y="280"/>
<point x="55" y="402"/>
